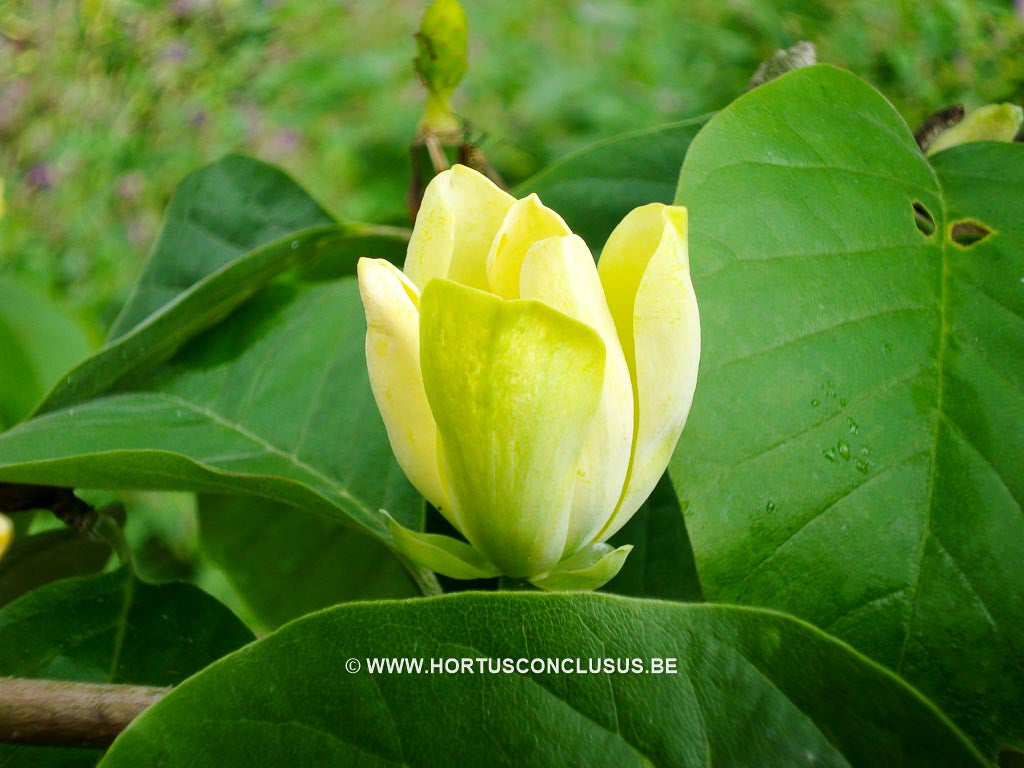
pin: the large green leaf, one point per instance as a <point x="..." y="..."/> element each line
<point x="273" y="402"/>
<point x="38" y="342"/>
<point x="160" y="335"/>
<point x="854" y="451"/>
<point x="752" y="688"/>
<point x="594" y="188"/>
<point x="110" y="628"/>
<point x="216" y="215"/>
<point x="113" y="628"/>
<point x="33" y="561"/>
<point x="285" y="563"/>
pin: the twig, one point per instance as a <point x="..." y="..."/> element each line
<point x="936" y="123"/>
<point x="60" y="713"/>
<point x="74" y="512"/>
<point x="436" y="151"/>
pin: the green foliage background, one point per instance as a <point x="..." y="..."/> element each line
<point x="106" y="104"/>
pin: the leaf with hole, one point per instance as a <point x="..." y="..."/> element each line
<point x="854" y="452"/>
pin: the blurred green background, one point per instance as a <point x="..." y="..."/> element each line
<point x="106" y="104"/>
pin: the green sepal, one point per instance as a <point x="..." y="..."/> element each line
<point x="442" y="554"/>
<point x="588" y="569"/>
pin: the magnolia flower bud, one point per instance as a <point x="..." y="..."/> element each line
<point x="532" y="397"/>
<point x="993" y="122"/>
<point x="441" y="62"/>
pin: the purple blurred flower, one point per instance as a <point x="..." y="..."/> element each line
<point x="177" y="51"/>
<point x="39" y="177"/>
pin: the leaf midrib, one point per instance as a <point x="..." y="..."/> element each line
<point x="940" y="377"/>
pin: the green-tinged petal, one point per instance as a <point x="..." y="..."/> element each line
<point x="645" y="271"/>
<point x="560" y="272"/>
<point x="442" y="554"/>
<point x="6" y="533"/>
<point x="591" y="568"/>
<point x="457" y="221"/>
<point x="526" y="222"/>
<point x="514" y="386"/>
<point x="993" y="122"/>
<point x="393" y="362"/>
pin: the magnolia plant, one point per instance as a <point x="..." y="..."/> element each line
<point x="533" y="397"/>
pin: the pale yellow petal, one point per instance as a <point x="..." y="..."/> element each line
<point x="645" y="271"/>
<point x="457" y="221"/>
<point x="391" y="302"/>
<point x="526" y="222"/>
<point x="514" y="386"/>
<point x="560" y="272"/>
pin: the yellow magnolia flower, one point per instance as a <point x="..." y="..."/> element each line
<point x="532" y="396"/>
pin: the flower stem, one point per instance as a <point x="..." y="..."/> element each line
<point x="426" y="579"/>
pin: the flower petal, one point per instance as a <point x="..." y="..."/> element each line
<point x="645" y="271"/>
<point x="589" y="569"/>
<point x="457" y="221"/>
<point x="514" y="386"/>
<point x="393" y="362"/>
<point x="526" y="222"/>
<point x="560" y="272"/>
<point x="443" y="554"/>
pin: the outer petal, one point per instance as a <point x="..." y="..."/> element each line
<point x="514" y="386"/>
<point x="560" y="272"/>
<point x="645" y="271"/>
<point x="527" y="221"/>
<point x="393" y="361"/>
<point x="460" y="214"/>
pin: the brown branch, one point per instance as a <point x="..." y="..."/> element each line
<point x="936" y="123"/>
<point x="60" y="713"/>
<point x="74" y="512"/>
